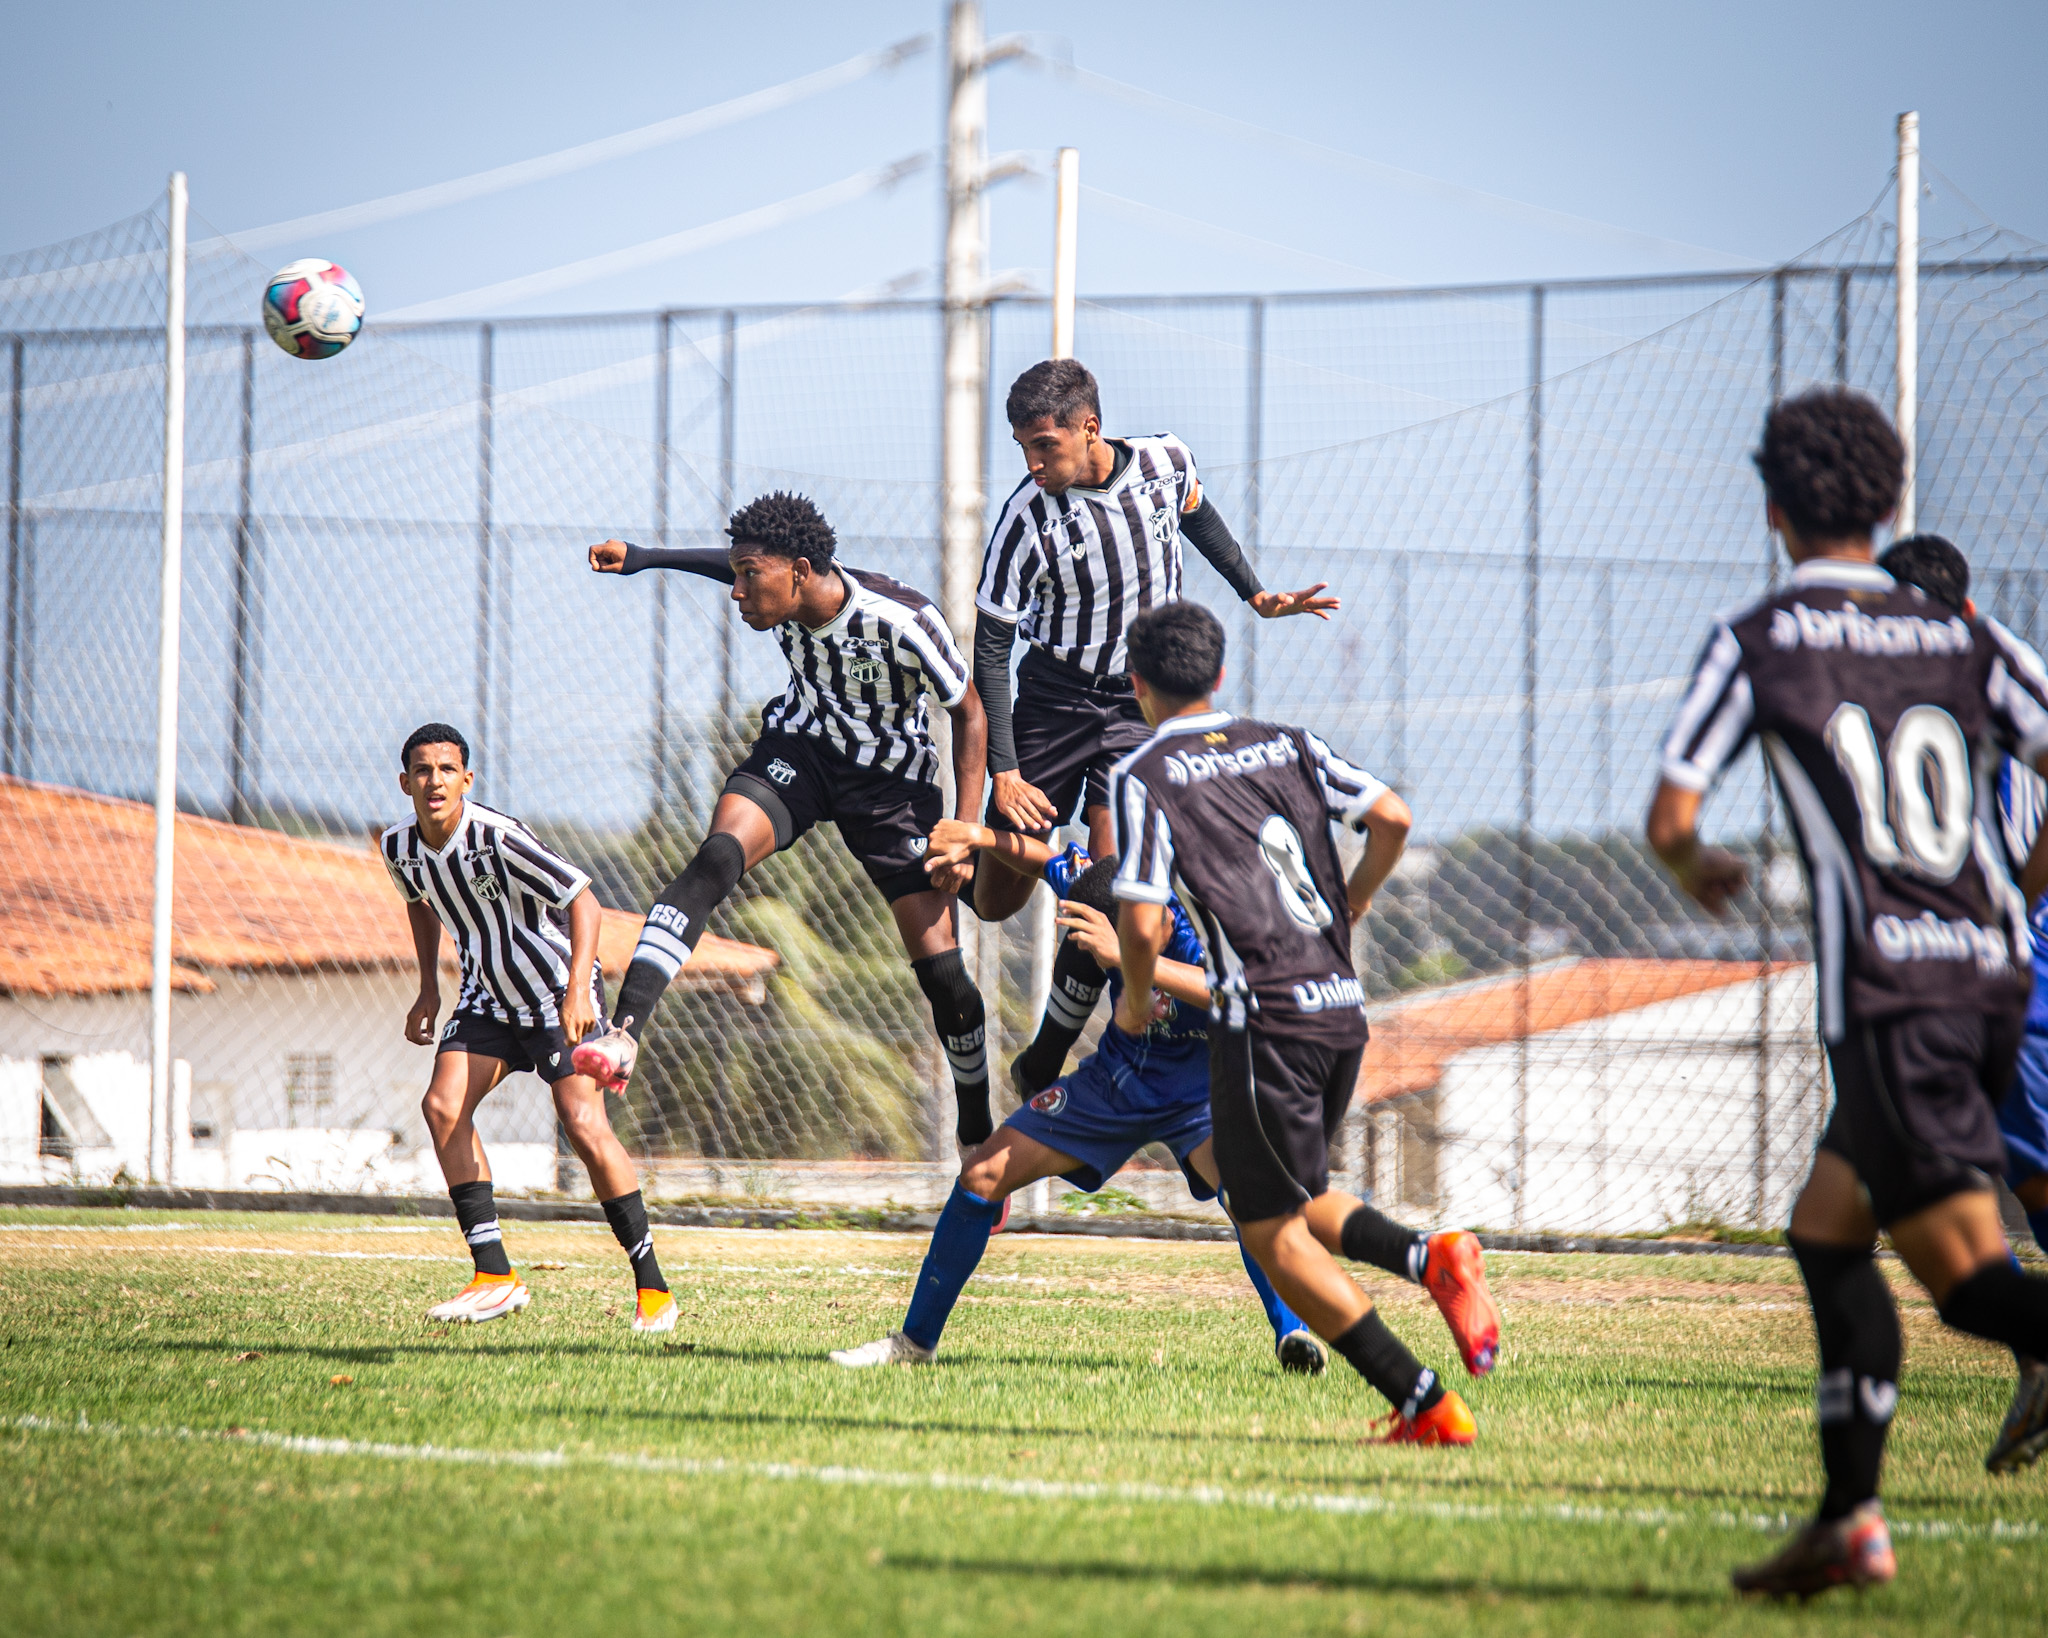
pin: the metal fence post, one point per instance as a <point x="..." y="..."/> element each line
<point x="1254" y="439"/>
<point x="486" y="592"/>
<point x="17" y="579"/>
<point x="1766" y="849"/>
<point x="660" y="641"/>
<point x="242" y="703"/>
<point x="1842" y="328"/>
<point x="728" y="356"/>
<point x="1532" y="570"/>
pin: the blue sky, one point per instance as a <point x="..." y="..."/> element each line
<point x="1729" y="135"/>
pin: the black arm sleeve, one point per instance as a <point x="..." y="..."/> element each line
<point x="708" y="561"/>
<point x="993" y="640"/>
<point x="1211" y="536"/>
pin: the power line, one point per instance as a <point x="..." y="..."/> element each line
<point x="668" y="246"/>
<point x="580" y="157"/>
<point x="1379" y="170"/>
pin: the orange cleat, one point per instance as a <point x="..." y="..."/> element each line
<point x="1456" y="1277"/>
<point x="1447" y="1422"/>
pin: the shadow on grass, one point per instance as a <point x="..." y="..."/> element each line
<point x="1245" y="1575"/>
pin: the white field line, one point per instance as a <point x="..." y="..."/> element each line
<point x="1044" y="1490"/>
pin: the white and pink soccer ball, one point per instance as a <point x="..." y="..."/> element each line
<point x="312" y="308"/>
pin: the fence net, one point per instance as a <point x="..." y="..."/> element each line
<point x="1532" y="499"/>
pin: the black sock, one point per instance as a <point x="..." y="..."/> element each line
<point x="477" y="1212"/>
<point x="1857" y="1327"/>
<point x="627" y="1214"/>
<point x="1379" y="1356"/>
<point x="962" y="1023"/>
<point x="1077" y="981"/>
<point x="2000" y="1304"/>
<point x="674" y="923"/>
<point x="1370" y="1236"/>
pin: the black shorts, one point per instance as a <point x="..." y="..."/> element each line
<point x="1916" y="1105"/>
<point x="543" y="1050"/>
<point x="1275" y="1102"/>
<point x="1071" y="729"/>
<point x="884" y="819"/>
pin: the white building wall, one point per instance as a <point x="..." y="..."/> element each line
<point x="1633" y="1122"/>
<point x="239" y="1038"/>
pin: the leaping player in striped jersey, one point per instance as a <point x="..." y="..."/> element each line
<point x="525" y="926"/>
<point x="1086" y="543"/>
<point x="849" y="741"/>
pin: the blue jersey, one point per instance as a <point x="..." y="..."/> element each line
<point x="2021" y="799"/>
<point x="1179" y="1028"/>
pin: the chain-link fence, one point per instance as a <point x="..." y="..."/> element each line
<point x="1532" y="499"/>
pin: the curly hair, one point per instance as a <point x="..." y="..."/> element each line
<point x="784" y="525"/>
<point x="1934" y="565"/>
<point x="432" y="733"/>
<point x="1177" y="648"/>
<point x="1831" y="463"/>
<point x="1060" y="390"/>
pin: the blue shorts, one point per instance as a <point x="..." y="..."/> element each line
<point x="2023" y="1117"/>
<point x="1117" y="1101"/>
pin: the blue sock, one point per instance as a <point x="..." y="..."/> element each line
<point x="957" y="1244"/>
<point x="2038" y="1222"/>
<point x="1282" y="1318"/>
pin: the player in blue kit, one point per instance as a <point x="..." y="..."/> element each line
<point x="1939" y="569"/>
<point x="1132" y="1091"/>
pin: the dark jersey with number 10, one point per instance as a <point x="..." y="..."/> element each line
<point x="1233" y="816"/>
<point x="1884" y="718"/>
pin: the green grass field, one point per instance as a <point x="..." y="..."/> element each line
<point x="242" y="1424"/>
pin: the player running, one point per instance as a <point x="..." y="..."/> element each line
<point x="848" y="741"/>
<point x="1085" y="544"/>
<point x="525" y="926"/>
<point x="1937" y="568"/>
<point x="1233" y="818"/>
<point x="1136" y="1089"/>
<point x="1881" y="714"/>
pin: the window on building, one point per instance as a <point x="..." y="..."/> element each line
<point x="308" y="1088"/>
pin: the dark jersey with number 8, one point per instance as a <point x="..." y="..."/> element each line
<point x="1883" y="718"/>
<point x="1233" y="816"/>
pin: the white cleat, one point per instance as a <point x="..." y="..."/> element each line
<point x="607" y="1059"/>
<point x="893" y="1349"/>
<point x="486" y="1297"/>
<point x="655" y="1311"/>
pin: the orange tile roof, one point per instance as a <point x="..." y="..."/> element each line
<point x="1413" y="1040"/>
<point x="75" y="878"/>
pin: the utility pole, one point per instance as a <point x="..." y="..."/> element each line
<point x="1908" y="276"/>
<point x="963" y="431"/>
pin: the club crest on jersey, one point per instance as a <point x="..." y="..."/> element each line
<point x="1164" y="525"/>
<point x="867" y="660"/>
<point x="781" y="772"/>
<point x="486" y="886"/>
<point x="1051" y="1101"/>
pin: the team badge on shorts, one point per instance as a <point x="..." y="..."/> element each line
<point x="781" y="772"/>
<point x="917" y="847"/>
<point x="1051" y="1101"/>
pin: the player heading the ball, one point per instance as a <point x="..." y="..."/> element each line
<point x="525" y="926"/>
<point x="1085" y="544"/>
<point x="1233" y="817"/>
<point x="849" y="741"/>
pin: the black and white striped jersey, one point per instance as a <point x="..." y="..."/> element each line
<point x="504" y="897"/>
<point x="1233" y="816"/>
<point x="1072" y="571"/>
<point x="860" y="683"/>
<point x="1884" y="718"/>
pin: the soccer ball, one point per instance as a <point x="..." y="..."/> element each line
<point x="312" y="308"/>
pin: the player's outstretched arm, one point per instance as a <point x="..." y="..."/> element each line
<point x="954" y="842"/>
<point x="1388" y="822"/>
<point x="1015" y="797"/>
<point x="1090" y="931"/>
<point x="623" y="557"/>
<point x="1141" y="933"/>
<point x="970" y="753"/>
<point x="1711" y="876"/>
<point x="426" y="949"/>
<point x="2034" y="873"/>
<point x="585" y="920"/>
<point x="1272" y="605"/>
